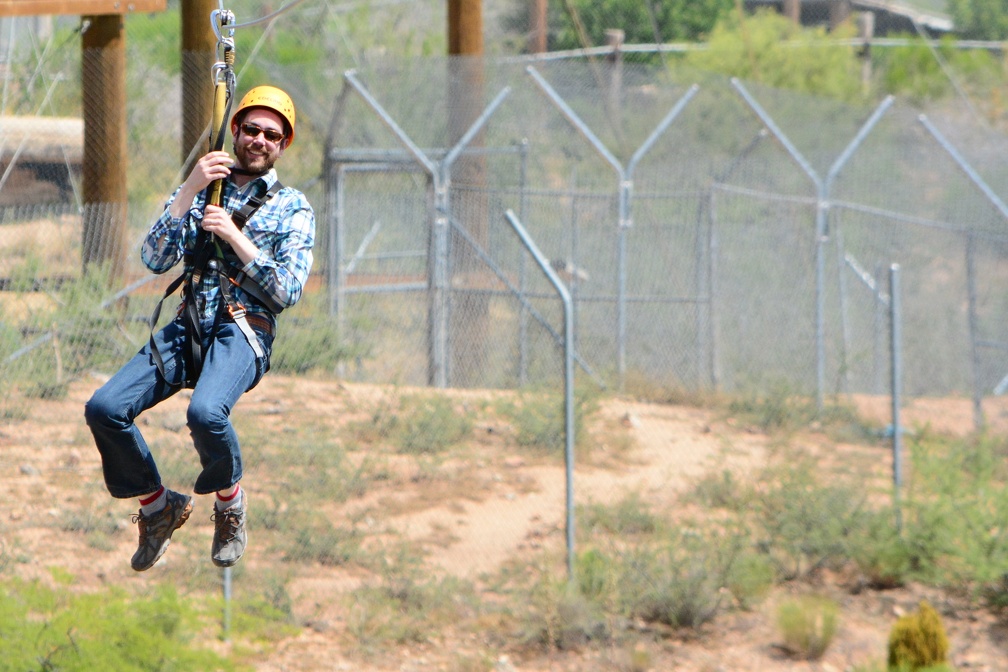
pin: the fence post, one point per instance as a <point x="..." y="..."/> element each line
<point x="822" y="187"/>
<point x="440" y="175"/>
<point x="625" y="195"/>
<point x="568" y="348"/>
<point x="996" y="201"/>
<point x="896" y="386"/>
<point x="974" y="329"/>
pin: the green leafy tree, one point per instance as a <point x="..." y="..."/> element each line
<point x="772" y="50"/>
<point x="980" y="19"/>
<point x="642" y="21"/>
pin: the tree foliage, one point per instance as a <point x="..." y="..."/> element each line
<point x="642" y="21"/>
<point x="980" y="19"/>
<point x="771" y="49"/>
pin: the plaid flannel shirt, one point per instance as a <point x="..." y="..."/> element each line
<point x="283" y="229"/>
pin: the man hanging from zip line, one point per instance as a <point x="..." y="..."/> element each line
<point x="238" y="275"/>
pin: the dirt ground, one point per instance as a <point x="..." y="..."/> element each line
<point x="48" y="458"/>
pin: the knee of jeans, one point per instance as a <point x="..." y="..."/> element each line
<point x="98" y="410"/>
<point x="205" y="417"/>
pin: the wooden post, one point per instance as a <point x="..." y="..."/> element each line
<point x="199" y="52"/>
<point x="103" y="83"/>
<point x="839" y="11"/>
<point x="470" y="310"/>
<point x="866" y="31"/>
<point x="538" y="27"/>
<point x="792" y="9"/>
<point x="103" y="183"/>
<point x="614" y="40"/>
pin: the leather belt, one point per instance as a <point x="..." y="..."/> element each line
<point x="259" y="322"/>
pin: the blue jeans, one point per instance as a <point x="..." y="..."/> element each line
<point x="230" y="368"/>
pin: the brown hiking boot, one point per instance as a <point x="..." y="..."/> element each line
<point x="156" y="530"/>
<point x="229" y="534"/>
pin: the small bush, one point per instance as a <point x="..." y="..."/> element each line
<point x="678" y="580"/>
<point x="629" y="516"/>
<point x="807" y="525"/>
<point x="881" y="554"/>
<point x="404" y="608"/>
<point x="540" y="420"/>
<point x="721" y="490"/>
<point x="320" y="541"/>
<point x="560" y="617"/>
<point x="59" y="629"/>
<point x="417" y="424"/>
<point x="808" y="625"/>
<point x="431" y="424"/>
<point x="310" y="340"/>
<point x="918" y="640"/>
<point x="778" y="411"/>
<point x="996" y="593"/>
<point x="594" y="574"/>
<point x="750" y="578"/>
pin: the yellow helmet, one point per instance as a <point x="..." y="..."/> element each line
<point x="271" y="98"/>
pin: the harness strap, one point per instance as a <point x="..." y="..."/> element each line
<point x="253" y="204"/>
<point x="200" y="261"/>
<point x="155" y="353"/>
<point x="234" y="307"/>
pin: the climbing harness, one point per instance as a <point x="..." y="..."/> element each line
<point x="208" y="254"/>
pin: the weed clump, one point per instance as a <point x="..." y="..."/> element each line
<point x="918" y="640"/>
<point x="808" y="625"/>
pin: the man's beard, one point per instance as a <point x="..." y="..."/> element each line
<point x="257" y="164"/>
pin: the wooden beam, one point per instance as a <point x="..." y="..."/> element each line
<point x="199" y="52"/>
<point x="465" y="27"/>
<point x="103" y="184"/>
<point x="79" y="7"/>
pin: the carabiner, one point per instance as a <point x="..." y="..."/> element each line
<point x="220" y="18"/>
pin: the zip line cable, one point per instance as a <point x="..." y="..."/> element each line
<point x="290" y="5"/>
<point x="948" y="73"/>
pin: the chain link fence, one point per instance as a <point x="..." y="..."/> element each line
<point x="714" y="234"/>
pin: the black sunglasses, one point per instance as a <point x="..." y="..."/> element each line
<point x="252" y="131"/>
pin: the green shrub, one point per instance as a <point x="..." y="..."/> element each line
<point x="678" y="580"/>
<point x="996" y="593"/>
<point x="58" y="629"/>
<point x="405" y="604"/>
<point x="629" y="516"/>
<point x="779" y="410"/>
<point x="309" y="340"/>
<point x="594" y="573"/>
<point x="720" y="490"/>
<point x="318" y="540"/>
<point x="806" y="525"/>
<point x="417" y="424"/>
<point x="808" y="625"/>
<point x="539" y="420"/>
<point x="750" y="578"/>
<point x="770" y="49"/>
<point x="880" y="553"/>
<point x="431" y="424"/>
<point x="558" y="616"/>
<point x="954" y="509"/>
<point x="918" y="640"/>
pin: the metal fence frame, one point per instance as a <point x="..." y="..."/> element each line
<point x="438" y="164"/>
